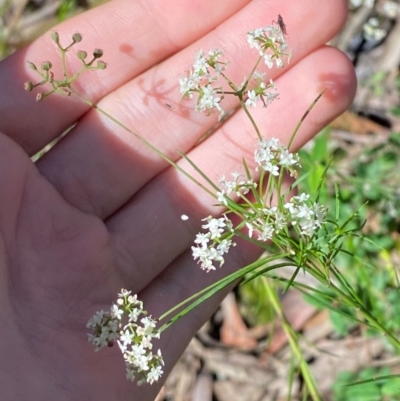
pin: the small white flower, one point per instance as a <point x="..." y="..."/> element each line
<point x="273" y="169"/>
<point x="269" y="97"/>
<point x="133" y="300"/>
<point x="221" y="197"/>
<point x="290" y="207"/>
<point x="304" y="211"/>
<point x="259" y="76"/>
<point x="202" y="239"/>
<point x="130" y="372"/>
<point x="116" y="312"/>
<point x="303" y="197"/>
<point x="319" y="212"/>
<point x="252" y="98"/>
<point x="154" y="374"/>
<point x="279" y="62"/>
<point x="134" y="314"/>
<point x="267" y="232"/>
<point x="126" y="337"/>
<point x="124" y="293"/>
<point x="287" y="159"/>
<point x="95" y="320"/>
<point x="200" y="66"/>
<point x="188" y="85"/>
<point x="113" y="325"/>
<point x="149" y="325"/>
<point x="224" y="246"/>
<point x="208" y="99"/>
<point x="267" y="59"/>
<point x="250" y="227"/>
<point x="215" y="226"/>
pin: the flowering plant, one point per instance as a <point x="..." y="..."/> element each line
<point x="134" y="339"/>
<point x="291" y="228"/>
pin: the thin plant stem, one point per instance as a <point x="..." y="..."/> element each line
<point x="148" y="144"/>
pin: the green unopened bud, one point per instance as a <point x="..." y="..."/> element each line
<point x="28" y="86"/>
<point x="32" y="66"/>
<point x="55" y="37"/>
<point x="101" y="65"/>
<point x="46" y="66"/>
<point x="97" y="53"/>
<point x="39" y="96"/>
<point x="76" y="37"/>
<point x="81" y="55"/>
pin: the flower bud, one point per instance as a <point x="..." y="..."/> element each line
<point x="97" y="53"/>
<point x="46" y="66"/>
<point x="101" y="65"/>
<point x="81" y="55"/>
<point x="28" y="86"/>
<point x="55" y="37"/>
<point x="76" y="37"/>
<point x="32" y="66"/>
<point x="39" y="96"/>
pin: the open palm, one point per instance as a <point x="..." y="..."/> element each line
<point x="100" y="211"/>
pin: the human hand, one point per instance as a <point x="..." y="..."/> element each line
<point x="100" y="211"/>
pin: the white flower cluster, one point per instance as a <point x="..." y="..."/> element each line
<point x="267" y="221"/>
<point x="206" y="70"/>
<point x="308" y="218"/>
<point x="271" y="155"/>
<point x="237" y="186"/>
<point x="296" y="212"/>
<point x="270" y="43"/>
<point x="210" y="247"/>
<point x="121" y="324"/>
<point x="261" y="92"/>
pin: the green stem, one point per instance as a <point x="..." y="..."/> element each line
<point x="304" y="117"/>
<point x="294" y="343"/>
<point x="253" y="123"/>
<point x="212" y="289"/>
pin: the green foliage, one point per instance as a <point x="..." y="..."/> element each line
<point x="369" y="385"/>
<point x="254" y="303"/>
<point x="396" y="110"/>
<point x="341" y="323"/>
<point x="4" y="50"/>
<point x="370" y="179"/>
<point x="66" y="9"/>
<point x="365" y="269"/>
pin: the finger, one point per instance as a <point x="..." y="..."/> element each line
<point x="99" y="166"/>
<point x="133" y="34"/>
<point x="141" y="226"/>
